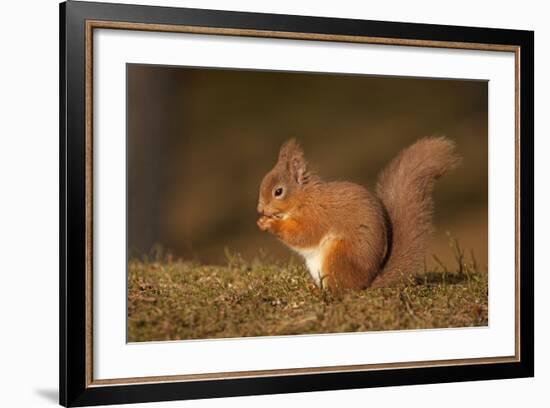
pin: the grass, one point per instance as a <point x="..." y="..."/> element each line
<point x="176" y="300"/>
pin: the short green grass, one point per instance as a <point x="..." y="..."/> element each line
<point x="177" y="300"/>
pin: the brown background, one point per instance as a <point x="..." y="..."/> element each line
<point x="200" y="141"/>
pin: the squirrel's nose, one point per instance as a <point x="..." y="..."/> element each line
<point x="260" y="208"/>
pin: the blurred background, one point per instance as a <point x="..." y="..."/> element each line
<point x="201" y="140"/>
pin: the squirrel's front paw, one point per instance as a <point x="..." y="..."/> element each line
<point x="264" y="223"/>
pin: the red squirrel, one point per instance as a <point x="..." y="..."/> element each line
<point x="349" y="237"/>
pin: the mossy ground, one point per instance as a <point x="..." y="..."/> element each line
<point x="176" y="300"/>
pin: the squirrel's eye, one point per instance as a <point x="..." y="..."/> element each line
<point x="278" y="192"/>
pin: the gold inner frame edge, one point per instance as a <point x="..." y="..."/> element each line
<point x="93" y="24"/>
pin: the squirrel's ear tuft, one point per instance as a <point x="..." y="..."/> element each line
<point x="292" y="155"/>
<point x="288" y="149"/>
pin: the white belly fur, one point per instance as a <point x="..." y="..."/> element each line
<point x="314" y="259"/>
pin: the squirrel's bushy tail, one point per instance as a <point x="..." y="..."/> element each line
<point x="405" y="188"/>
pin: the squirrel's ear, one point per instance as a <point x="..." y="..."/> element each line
<point x="292" y="155"/>
<point x="288" y="149"/>
<point x="298" y="169"/>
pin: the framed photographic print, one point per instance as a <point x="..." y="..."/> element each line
<point x="256" y="203"/>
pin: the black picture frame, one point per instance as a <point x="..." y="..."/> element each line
<point x="75" y="390"/>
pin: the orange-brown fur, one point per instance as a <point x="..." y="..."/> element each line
<point x="358" y="239"/>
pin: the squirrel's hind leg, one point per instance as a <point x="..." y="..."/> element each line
<point x="340" y="270"/>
